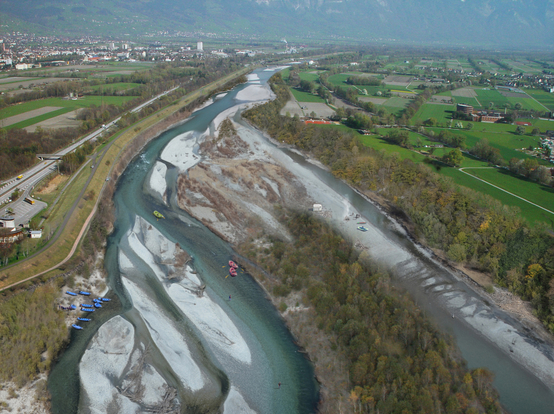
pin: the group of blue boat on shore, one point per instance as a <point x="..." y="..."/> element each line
<point x="85" y="307"/>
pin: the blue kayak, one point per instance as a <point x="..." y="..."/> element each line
<point x="97" y="301"/>
<point x="83" y="319"/>
<point x="87" y="310"/>
<point x="97" y="305"/>
<point x="84" y="293"/>
<point x="105" y="299"/>
<point x="77" y="326"/>
<point x="73" y="307"/>
<point x="84" y="305"/>
<point x="71" y="293"/>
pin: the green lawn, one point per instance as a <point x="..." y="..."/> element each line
<point x="543" y="125"/>
<point x="312" y="77"/>
<point x="532" y="191"/>
<point x="467" y="101"/>
<point x="302" y="96"/>
<point x="442" y="113"/>
<point x="395" y="105"/>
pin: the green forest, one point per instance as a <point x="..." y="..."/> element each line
<point x="32" y="331"/>
<point x="469" y="227"/>
<point x="399" y="362"/>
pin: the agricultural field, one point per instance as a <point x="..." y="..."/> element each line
<point x="528" y="211"/>
<point x="454" y="64"/>
<point x="340" y="78"/>
<point x="499" y="99"/>
<point x="506" y="142"/>
<point x="302" y="96"/>
<point x="523" y="65"/>
<point x="65" y="105"/>
<point x="490" y="66"/>
<point x="442" y="113"/>
<point x="92" y="69"/>
<point x="395" y="105"/>
<point x="545" y="98"/>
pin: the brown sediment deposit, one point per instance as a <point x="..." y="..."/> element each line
<point x="53" y="184"/>
<point x="223" y="190"/>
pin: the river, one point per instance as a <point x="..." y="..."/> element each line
<point x="152" y="305"/>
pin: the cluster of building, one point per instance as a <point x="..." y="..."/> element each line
<point x="20" y="51"/>
<point x="11" y="234"/>
<point x="479" y="116"/>
<point x="547" y="142"/>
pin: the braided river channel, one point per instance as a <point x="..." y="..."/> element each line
<point x="226" y="349"/>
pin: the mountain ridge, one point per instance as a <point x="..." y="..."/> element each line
<point x="492" y="22"/>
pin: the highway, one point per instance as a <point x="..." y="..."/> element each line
<point x="38" y="172"/>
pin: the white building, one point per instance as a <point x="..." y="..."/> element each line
<point x="35" y="234"/>
<point x="7" y="222"/>
<point x="200" y="46"/>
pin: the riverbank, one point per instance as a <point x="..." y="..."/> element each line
<point x="220" y="178"/>
<point x="115" y="159"/>
<point x="480" y="282"/>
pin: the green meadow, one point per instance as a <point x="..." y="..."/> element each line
<point x="442" y="113"/>
<point x="302" y="96"/>
<point x="521" y="186"/>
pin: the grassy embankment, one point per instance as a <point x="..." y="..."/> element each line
<point x="54" y="254"/>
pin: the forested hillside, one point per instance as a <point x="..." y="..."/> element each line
<point x="491" y="22"/>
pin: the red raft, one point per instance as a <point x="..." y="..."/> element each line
<point x="233" y="264"/>
<point x="233" y="271"/>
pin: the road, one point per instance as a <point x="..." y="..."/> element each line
<point x="38" y="172"/>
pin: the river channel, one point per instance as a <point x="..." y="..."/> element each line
<point x="270" y="355"/>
